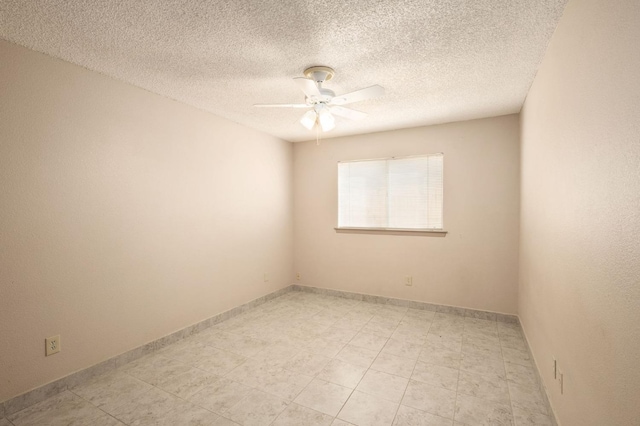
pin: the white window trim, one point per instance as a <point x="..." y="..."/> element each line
<point x="439" y="232"/>
<point x="391" y="231"/>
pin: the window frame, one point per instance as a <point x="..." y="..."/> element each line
<point x="383" y="230"/>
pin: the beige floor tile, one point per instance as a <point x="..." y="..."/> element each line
<point x="527" y="397"/>
<point x="323" y="396"/>
<point x="338" y="422"/>
<point x="256" y="409"/>
<point x="403" y="349"/>
<point x="386" y="319"/>
<point x="513" y="342"/>
<point x="307" y="363"/>
<point x="487" y="387"/>
<point x="104" y="420"/>
<point x="354" y="321"/>
<point x="421" y="314"/>
<point x="276" y="354"/>
<point x="188" y="383"/>
<point x="432" y="399"/>
<point x="483" y="365"/>
<point x="367" y="410"/>
<point x="484" y="334"/>
<point x="516" y="356"/>
<point x="521" y="374"/>
<point x="220" y="396"/>
<point x="383" y="385"/>
<point x="475" y="411"/>
<point x="481" y="347"/>
<point x="410" y="334"/>
<point x="393" y="364"/>
<point x="187" y="415"/>
<point x="237" y="344"/>
<point x="357" y="356"/>
<point x="285" y="384"/>
<point x="225" y="422"/>
<point x="451" y="342"/>
<point x="297" y="415"/>
<point x="218" y="362"/>
<point x="154" y="368"/>
<point x="148" y="407"/>
<point x="341" y="335"/>
<point x="189" y="351"/>
<point x="380" y="329"/>
<point x="528" y="418"/>
<point x="436" y="375"/>
<point x="328" y="317"/>
<point x="112" y="390"/>
<point x="252" y="373"/>
<point x="440" y="356"/>
<point x="342" y="373"/>
<point x="408" y="416"/>
<point x="369" y="341"/>
<point x="325" y="347"/>
<point x="59" y="410"/>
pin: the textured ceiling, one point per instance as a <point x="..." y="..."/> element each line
<point x="438" y="60"/>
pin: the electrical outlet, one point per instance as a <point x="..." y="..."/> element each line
<point x="561" y="381"/>
<point x="266" y="277"/>
<point x="555" y="369"/>
<point x="408" y="280"/>
<point x="298" y="276"/>
<point x="52" y="345"/>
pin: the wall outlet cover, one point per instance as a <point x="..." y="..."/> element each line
<point x="52" y="345"/>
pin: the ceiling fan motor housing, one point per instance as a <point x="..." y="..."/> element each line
<point x="325" y="98"/>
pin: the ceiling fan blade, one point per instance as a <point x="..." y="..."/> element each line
<point x="307" y="86"/>
<point x="281" y="105"/>
<point x="308" y="120"/>
<point x="359" y="95"/>
<point x="349" y="113"/>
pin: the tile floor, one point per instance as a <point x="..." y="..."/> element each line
<point x="309" y="359"/>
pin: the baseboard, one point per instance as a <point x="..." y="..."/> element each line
<point x="20" y="402"/>
<point x="543" y="388"/>
<point x="464" y="312"/>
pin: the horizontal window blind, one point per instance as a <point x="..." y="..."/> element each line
<point x="397" y="193"/>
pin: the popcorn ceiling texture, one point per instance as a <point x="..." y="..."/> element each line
<point x="439" y="61"/>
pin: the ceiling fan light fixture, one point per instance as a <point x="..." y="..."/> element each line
<point x="308" y="120"/>
<point x="326" y="119"/>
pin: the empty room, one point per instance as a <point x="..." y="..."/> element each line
<point x="340" y="213"/>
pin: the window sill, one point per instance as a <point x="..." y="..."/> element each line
<point x="392" y="231"/>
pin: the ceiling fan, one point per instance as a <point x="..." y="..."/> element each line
<point x="323" y="102"/>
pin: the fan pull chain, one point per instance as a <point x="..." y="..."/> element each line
<point x="317" y="134"/>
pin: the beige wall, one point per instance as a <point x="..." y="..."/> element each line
<point x="124" y="216"/>
<point x="474" y="266"/>
<point x="579" y="296"/>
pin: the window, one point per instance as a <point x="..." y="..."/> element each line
<point x="392" y="193"/>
